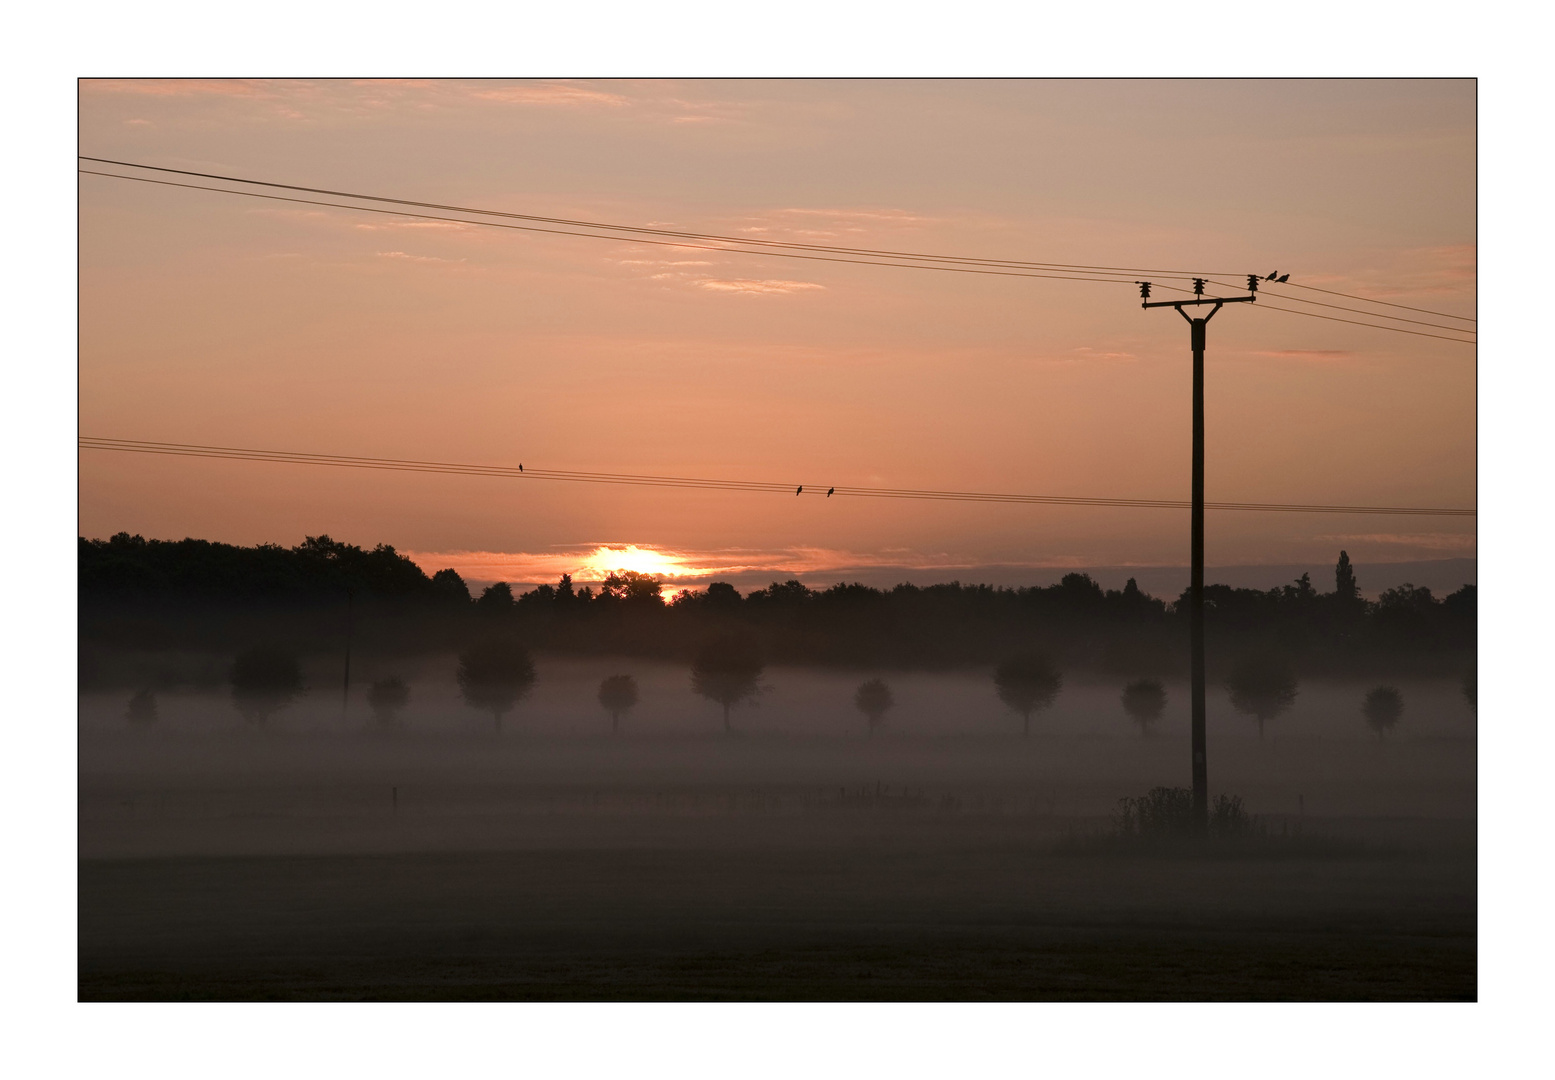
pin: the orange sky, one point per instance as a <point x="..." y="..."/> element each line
<point x="214" y="319"/>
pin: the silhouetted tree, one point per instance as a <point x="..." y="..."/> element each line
<point x="142" y="708"/>
<point x="1262" y="685"/>
<point x="264" y="681"/>
<point x="1345" y="586"/>
<point x="449" y="587"/>
<point x="873" y="699"/>
<point x="633" y="587"/>
<point x="496" y="599"/>
<point x="1028" y="682"/>
<point x="386" y="698"/>
<point x="1144" y="700"/>
<point x="726" y="670"/>
<point x="618" y="693"/>
<point x="1382" y="708"/>
<point x="722" y="595"/>
<point x="495" y="674"/>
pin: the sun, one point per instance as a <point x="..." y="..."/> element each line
<point x="605" y="559"/>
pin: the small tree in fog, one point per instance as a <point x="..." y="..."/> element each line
<point x="142" y="708"/>
<point x="1027" y="683"/>
<point x="494" y="675"/>
<point x="726" y="670"/>
<point x="386" y="698"/>
<point x="1144" y="700"/>
<point x="264" y="681"/>
<point x="1262" y="685"/>
<point x="1382" y="708"/>
<point x="873" y="699"/>
<point x="617" y="694"/>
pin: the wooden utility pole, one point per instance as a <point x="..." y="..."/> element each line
<point x="345" y="693"/>
<point x="1196" y="581"/>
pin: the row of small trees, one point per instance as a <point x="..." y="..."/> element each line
<point x="496" y="673"/>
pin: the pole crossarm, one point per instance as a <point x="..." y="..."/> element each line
<point x="1216" y="300"/>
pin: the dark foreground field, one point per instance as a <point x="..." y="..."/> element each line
<point x="310" y="864"/>
<point x="856" y="923"/>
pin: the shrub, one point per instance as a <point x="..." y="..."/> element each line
<point x="873" y="699"/>
<point x="1382" y="708"/>
<point x="617" y="694"/>
<point x="1166" y="813"/>
<point x="726" y="670"/>
<point x="1262" y="685"/>
<point x="264" y="680"/>
<point x="1144" y="700"/>
<point x="386" y="698"/>
<point x="1027" y="682"/>
<point x="494" y="675"/>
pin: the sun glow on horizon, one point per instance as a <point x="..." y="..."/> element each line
<point x="605" y="560"/>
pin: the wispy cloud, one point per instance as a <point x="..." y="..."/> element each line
<point x="822" y="223"/>
<point x="1458" y="543"/>
<point x="243" y="88"/>
<point x="385" y="226"/>
<point x="753" y="288"/>
<point x="1085" y="352"/>
<point x="415" y="258"/>
<point x="1445" y="271"/>
<point x="1306" y="354"/>
<point x="549" y="93"/>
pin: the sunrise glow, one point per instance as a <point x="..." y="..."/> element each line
<point x="604" y="560"/>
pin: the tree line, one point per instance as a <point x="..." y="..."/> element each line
<point x="496" y="673"/>
<point x="180" y="593"/>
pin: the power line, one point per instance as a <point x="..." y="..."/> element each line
<point x="741" y="240"/>
<point x="1341" y="307"/>
<point x="874" y="257"/>
<point x="786" y="488"/>
<point x="1094" y="276"/>
<point x="1386" y="303"/>
<point x="1352" y="322"/>
<point x="1331" y="318"/>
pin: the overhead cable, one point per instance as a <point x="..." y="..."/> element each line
<point x="521" y="472"/>
<point x="747" y="246"/>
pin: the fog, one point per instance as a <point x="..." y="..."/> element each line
<point x="222" y="858"/>
<point x="948" y="741"/>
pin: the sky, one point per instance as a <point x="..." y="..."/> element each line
<point x="214" y="319"/>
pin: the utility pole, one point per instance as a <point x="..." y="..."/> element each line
<point x="1196" y="582"/>
<point x="345" y="693"/>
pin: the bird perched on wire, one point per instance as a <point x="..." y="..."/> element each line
<point x="798" y="489"/>
<point x="1271" y="275"/>
<point x="520" y="466"/>
<point x="1283" y="278"/>
<point x="829" y="491"/>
